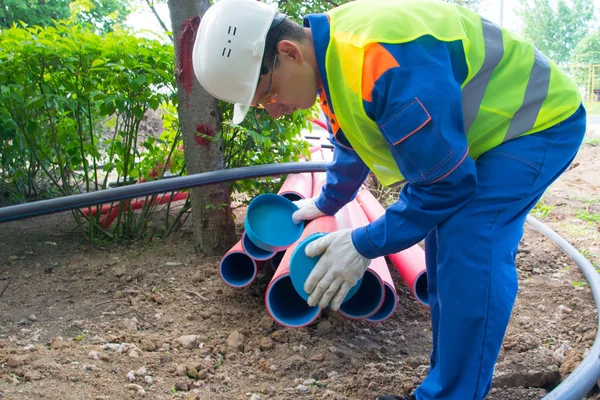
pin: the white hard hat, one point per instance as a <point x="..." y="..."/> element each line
<point x="228" y="50"/>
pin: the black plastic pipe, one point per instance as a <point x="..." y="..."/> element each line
<point x="42" y="207"/>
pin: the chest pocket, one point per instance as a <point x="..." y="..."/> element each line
<point x="422" y="153"/>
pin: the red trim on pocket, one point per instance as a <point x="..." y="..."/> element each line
<point x="421" y="126"/>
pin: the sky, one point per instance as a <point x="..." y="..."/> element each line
<point x="491" y="9"/>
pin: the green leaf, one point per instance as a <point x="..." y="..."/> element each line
<point x="138" y="82"/>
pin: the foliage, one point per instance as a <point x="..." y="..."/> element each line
<point x="72" y="103"/>
<point x="103" y="14"/>
<point x="542" y="210"/>
<point x="261" y="139"/>
<point x="298" y="9"/>
<point x="557" y="31"/>
<point x="588" y="49"/>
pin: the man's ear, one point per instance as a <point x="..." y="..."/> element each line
<point x="289" y="50"/>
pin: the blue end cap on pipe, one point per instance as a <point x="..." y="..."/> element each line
<point x="389" y="306"/>
<point x="254" y="251"/>
<point x="301" y="266"/>
<point x="238" y="269"/>
<point x="269" y="222"/>
<point x="285" y="305"/>
<point x="367" y="300"/>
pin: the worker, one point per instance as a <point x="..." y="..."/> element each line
<point x="475" y="121"/>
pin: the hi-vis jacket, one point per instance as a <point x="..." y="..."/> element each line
<point x="415" y="88"/>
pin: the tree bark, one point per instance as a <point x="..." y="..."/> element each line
<point x="198" y="111"/>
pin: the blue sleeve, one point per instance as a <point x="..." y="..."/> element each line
<point x="345" y="174"/>
<point x="417" y="106"/>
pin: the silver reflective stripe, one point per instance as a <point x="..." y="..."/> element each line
<point x="473" y="92"/>
<point x="535" y="94"/>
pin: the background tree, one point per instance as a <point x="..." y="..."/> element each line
<point x="556" y="31"/>
<point x="199" y="116"/>
<point x="102" y="14"/>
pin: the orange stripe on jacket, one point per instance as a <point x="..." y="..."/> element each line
<point x="377" y="61"/>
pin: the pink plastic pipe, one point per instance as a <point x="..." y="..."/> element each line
<point x="370" y="297"/>
<point x="409" y="263"/>
<point x="237" y="268"/>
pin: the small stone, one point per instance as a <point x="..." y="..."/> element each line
<point x="140" y="390"/>
<point x="317" y="357"/>
<point x="235" y="341"/>
<point x="133" y="354"/>
<point x="111" y="346"/>
<point x="266" y="343"/>
<point x="372" y="386"/>
<point x="57" y="343"/>
<point x="309" y="382"/>
<point x="131" y="376"/>
<point x="148" y="345"/>
<point x="90" y="367"/>
<point x="12" y="259"/>
<point x="324" y="326"/>
<point x="255" y="397"/>
<point x="119" y="271"/>
<point x="29" y="347"/>
<point x="32" y="317"/>
<point x="266" y="323"/>
<point x="141" y="371"/>
<point x="181" y="386"/>
<point x="301" y="388"/>
<point x="188" y="342"/>
<point x="33" y="375"/>
<point x="174" y="264"/>
<point x="332" y="375"/>
<point x="148" y="379"/>
<point x="93" y="355"/>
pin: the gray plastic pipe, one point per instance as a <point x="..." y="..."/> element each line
<point x="149" y="188"/>
<point x="584" y="377"/>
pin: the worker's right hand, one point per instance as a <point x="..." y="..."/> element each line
<point x="307" y="210"/>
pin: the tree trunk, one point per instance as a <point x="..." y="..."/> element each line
<point x="198" y="112"/>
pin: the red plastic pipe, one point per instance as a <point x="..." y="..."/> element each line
<point x="409" y="263"/>
<point x="370" y="297"/>
<point x="297" y="186"/>
<point x="237" y="268"/>
<point x="109" y="217"/>
<point x="283" y="303"/>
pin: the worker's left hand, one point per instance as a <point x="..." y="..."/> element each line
<point x="337" y="271"/>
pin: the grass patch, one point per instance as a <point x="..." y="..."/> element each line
<point x="594" y="141"/>
<point x="542" y="210"/>
<point x="588" y="216"/>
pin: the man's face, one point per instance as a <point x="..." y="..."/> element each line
<point x="290" y="85"/>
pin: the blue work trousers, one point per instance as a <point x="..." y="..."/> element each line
<point x="470" y="257"/>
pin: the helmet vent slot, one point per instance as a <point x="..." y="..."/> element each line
<point x="226" y="50"/>
<point x="234" y="30"/>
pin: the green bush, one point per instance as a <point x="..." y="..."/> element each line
<point x="71" y="104"/>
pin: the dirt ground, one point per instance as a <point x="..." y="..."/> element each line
<point x="155" y="319"/>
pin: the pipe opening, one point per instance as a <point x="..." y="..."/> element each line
<point x="421" y="288"/>
<point x="292" y="196"/>
<point x="390" y="302"/>
<point x="287" y="307"/>
<point x="367" y="300"/>
<point x="237" y="269"/>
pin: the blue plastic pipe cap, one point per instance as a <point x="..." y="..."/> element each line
<point x="254" y="251"/>
<point x="269" y="222"/>
<point x="301" y="266"/>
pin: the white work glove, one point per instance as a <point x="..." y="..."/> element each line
<point x="307" y="210"/>
<point x="337" y="271"/>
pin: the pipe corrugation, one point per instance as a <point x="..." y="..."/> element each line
<point x="43" y="207"/>
<point x="587" y="373"/>
<point x="409" y="263"/>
